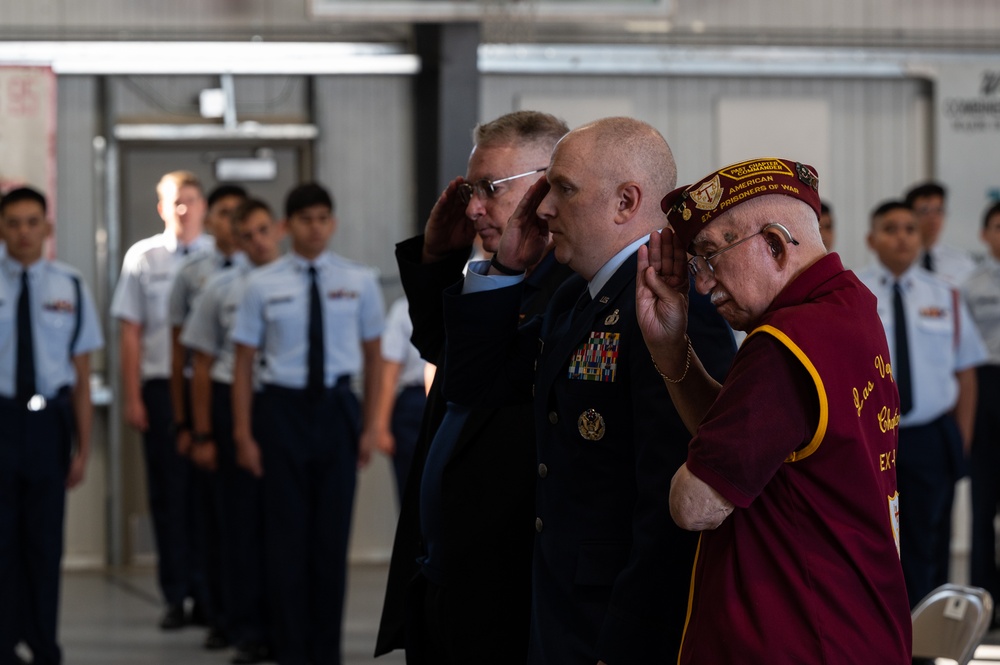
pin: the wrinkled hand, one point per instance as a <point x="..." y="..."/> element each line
<point x="77" y="466"/>
<point x="135" y="415"/>
<point x="248" y="457"/>
<point x="661" y="299"/>
<point x="205" y="455"/>
<point x="527" y="235"/>
<point x="448" y="229"/>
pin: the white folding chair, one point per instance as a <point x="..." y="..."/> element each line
<point x="951" y="622"/>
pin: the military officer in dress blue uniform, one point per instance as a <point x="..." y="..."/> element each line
<point x="934" y="348"/>
<point x="190" y="279"/>
<point x="982" y="293"/>
<point x="207" y="333"/>
<point x="315" y="318"/>
<point x="141" y="304"/>
<point x="48" y="328"/>
<point x="611" y="570"/>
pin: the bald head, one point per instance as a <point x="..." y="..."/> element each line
<point x="631" y="149"/>
<point x="606" y="181"/>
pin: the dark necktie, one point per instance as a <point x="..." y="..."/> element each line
<point x="316" y="381"/>
<point x="928" y="261"/>
<point x="901" y="366"/>
<point x="25" y="343"/>
<point x="581" y="304"/>
<point x="228" y="263"/>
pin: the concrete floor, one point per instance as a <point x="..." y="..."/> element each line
<point x="110" y="619"/>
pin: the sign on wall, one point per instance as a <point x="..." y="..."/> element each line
<point x="967" y="100"/>
<point x="28" y="130"/>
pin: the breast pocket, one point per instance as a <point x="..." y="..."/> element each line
<point x="937" y="340"/>
<point x="286" y="321"/>
<point x="343" y="318"/>
<point x="157" y="294"/>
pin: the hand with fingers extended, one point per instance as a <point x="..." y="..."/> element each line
<point x="527" y="235"/>
<point x="448" y="229"/>
<point x="661" y="298"/>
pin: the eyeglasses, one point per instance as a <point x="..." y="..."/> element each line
<point x="486" y="189"/>
<point x="698" y="264"/>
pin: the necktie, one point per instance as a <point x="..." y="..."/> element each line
<point x="581" y="304"/>
<point x="928" y="261"/>
<point x="228" y="263"/>
<point x="316" y="380"/>
<point x="25" y="343"/>
<point x="901" y="366"/>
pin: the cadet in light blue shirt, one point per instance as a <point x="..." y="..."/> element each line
<point x="239" y="495"/>
<point x="937" y="390"/>
<point x="141" y="304"/>
<point x="982" y="292"/>
<point x="187" y="286"/>
<point x="48" y="327"/>
<point x="315" y="318"/>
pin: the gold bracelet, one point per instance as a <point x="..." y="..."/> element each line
<point x="687" y="365"/>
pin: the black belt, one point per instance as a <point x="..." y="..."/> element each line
<point x="37" y="402"/>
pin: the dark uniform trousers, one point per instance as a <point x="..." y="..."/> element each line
<point x="928" y="464"/>
<point x="240" y="509"/>
<point x="407" y="414"/>
<point x="985" y="472"/>
<point x="171" y="500"/>
<point x="34" y="460"/>
<point x="309" y="446"/>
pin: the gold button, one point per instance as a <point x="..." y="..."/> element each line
<point x="543" y="470"/>
<point x="553" y="417"/>
<point x="538" y="524"/>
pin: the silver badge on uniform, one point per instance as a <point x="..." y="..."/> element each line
<point x="591" y="425"/>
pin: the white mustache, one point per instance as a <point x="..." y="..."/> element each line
<point x="717" y="296"/>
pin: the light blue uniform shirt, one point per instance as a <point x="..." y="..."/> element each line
<point x="942" y="341"/>
<point x="397" y="348"/>
<point x="950" y="264"/>
<point x="191" y="279"/>
<point x="208" y="327"/>
<point x="53" y="321"/>
<point x="982" y="294"/>
<point x="273" y="317"/>
<point x="143" y="291"/>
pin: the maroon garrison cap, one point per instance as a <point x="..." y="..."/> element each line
<point x="689" y="209"/>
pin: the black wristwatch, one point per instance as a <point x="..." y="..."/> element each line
<point x="501" y="268"/>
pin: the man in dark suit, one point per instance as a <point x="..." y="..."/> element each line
<point x="459" y="587"/>
<point x="611" y="571"/>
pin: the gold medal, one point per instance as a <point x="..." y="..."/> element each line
<point x="591" y="425"/>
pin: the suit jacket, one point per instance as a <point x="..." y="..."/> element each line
<point x="488" y="489"/>
<point x="611" y="570"/>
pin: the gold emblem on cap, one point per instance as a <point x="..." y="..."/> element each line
<point x="591" y="425"/>
<point x="686" y="215"/>
<point x="708" y="194"/>
<point x="612" y="318"/>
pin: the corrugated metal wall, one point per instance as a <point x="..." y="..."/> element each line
<point x="879" y="129"/>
